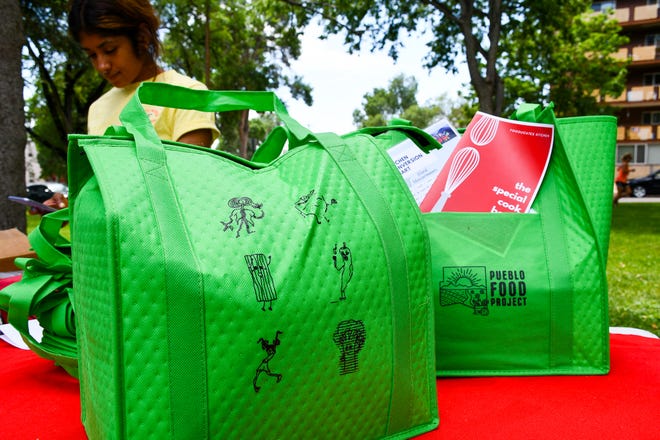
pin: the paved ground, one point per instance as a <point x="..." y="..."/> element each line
<point x="648" y="199"/>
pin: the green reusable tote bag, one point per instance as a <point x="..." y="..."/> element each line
<point x="221" y="298"/>
<point x="526" y="294"/>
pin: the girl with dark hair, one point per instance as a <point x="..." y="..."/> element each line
<point x="120" y="38"/>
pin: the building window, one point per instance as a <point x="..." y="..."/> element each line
<point x="651" y="79"/>
<point x="652" y="40"/>
<point x="638" y="152"/>
<point x="651" y="2"/>
<point x="651" y="118"/>
<point x="603" y="6"/>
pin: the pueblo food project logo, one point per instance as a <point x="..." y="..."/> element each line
<point x="478" y="288"/>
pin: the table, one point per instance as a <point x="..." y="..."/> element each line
<point x="40" y="401"/>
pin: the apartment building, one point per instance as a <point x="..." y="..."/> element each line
<point x="638" y="107"/>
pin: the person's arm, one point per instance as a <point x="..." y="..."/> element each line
<point x="202" y="137"/>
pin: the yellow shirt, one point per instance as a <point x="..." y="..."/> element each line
<point x="170" y="123"/>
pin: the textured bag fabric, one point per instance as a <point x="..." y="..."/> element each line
<point x="221" y="298"/>
<point x="526" y="294"/>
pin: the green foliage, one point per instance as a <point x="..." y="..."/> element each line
<point x="536" y="50"/>
<point x="261" y="126"/>
<point x="249" y="47"/>
<point x="632" y="267"/>
<point x="381" y="104"/>
<point x="399" y="101"/>
<point x="562" y="54"/>
<point x="64" y="82"/>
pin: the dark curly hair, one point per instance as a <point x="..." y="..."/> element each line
<point x="135" y="19"/>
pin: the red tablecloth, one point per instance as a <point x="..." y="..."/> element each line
<point x="40" y="401"/>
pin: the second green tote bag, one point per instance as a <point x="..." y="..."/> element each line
<point x="526" y="294"/>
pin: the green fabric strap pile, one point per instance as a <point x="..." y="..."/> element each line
<point x="44" y="293"/>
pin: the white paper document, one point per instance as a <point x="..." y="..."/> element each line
<point x="419" y="169"/>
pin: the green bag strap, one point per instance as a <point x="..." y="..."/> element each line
<point x="422" y="139"/>
<point x="164" y="95"/>
<point x="561" y="344"/>
<point x="389" y="233"/>
<point x="272" y="147"/>
<point x="44" y="291"/>
<point x="185" y="314"/>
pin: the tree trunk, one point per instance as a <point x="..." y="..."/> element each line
<point x="243" y="133"/>
<point x="12" y="117"/>
<point x="207" y="44"/>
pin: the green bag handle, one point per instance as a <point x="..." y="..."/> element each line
<point x="44" y="291"/>
<point x="164" y="95"/>
<point x="562" y="322"/>
<point x="272" y="147"/>
<point x="553" y="225"/>
<point x="187" y="363"/>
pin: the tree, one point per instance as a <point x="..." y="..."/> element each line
<point x="381" y="105"/>
<point x="64" y="82"/>
<point x="248" y="46"/>
<point x="399" y="101"/>
<point x="562" y="54"/>
<point x="484" y="34"/>
<point x="12" y="156"/>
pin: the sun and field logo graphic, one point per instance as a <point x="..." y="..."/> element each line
<point x="465" y="285"/>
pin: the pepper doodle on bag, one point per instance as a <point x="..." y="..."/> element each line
<point x="349" y="336"/>
<point x="244" y="213"/>
<point x="262" y="280"/>
<point x="344" y="265"/>
<point x="316" y="206"/>
<point x="264" y="367"/>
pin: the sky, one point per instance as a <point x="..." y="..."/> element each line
<point x="340" y="80"/>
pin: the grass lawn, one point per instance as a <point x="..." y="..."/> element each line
<point x="33" y="222"/>
<point x="633" y="269"/>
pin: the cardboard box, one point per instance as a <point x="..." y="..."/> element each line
<point x="13" y="244"/>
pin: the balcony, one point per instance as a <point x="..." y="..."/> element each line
<point x="640" y="96"/>
<point x="644" y="53"/>
<point x="636" y="14"/>
<point x="641" y="133"/>
<point x="637" y="133"/>
<point x="621" y="54"/>
<point x="639" y="55"/>
<point x="642" y="93"/>
<point x="647" y="12"/>
<point x="620" y="133"/>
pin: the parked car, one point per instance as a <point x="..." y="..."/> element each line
<point x="647" y="185"/>
<point x="44" y="190"/>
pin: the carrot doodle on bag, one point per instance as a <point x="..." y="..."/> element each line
<point x="344" y="265"/>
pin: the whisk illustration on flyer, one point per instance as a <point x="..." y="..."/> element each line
<point x="497" y="166"/>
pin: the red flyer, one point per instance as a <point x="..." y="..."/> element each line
<point x="497" y="166"/>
